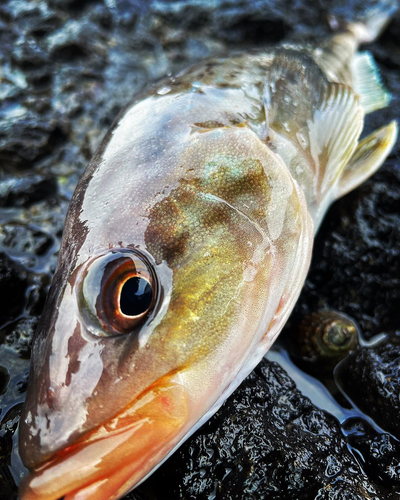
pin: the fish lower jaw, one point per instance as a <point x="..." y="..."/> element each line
<point x="109" y="461"/>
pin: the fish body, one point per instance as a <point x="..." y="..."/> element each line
<point x="186" y="245"/>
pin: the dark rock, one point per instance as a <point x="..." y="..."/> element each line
<point x="127" y="13"/>
<point x="33" y="18"/>
<point x="380" y="452"/>
<point x="4" y="380"/>
<point x="267" y="441"/>
<point x="8" y="426"/>
<point x="13" y="286"/>
<point x="8" y="490"/>
<point x="24" y="191"/>
<point x="24" y="140"/>
<point x="28" y="54"/>
<point x="18" y="335"/>
<point x="19" y="241"/>
<point x="370" y="377"/>
<point x="75" y="40"/>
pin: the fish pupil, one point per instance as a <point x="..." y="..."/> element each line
<point x="135" y="297"/>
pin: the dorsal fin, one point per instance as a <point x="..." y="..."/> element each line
<point x="323" y="120"/>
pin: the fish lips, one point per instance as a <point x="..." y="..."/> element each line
<point x="111" y="459"/>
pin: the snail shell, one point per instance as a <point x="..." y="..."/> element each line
<point x="327" y="336"/>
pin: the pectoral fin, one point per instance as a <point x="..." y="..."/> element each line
<point x="333" y="134"/>
<point x="371" y="152"/>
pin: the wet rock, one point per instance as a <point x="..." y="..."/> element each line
<point x="370" y="377"/>
<point x="8" y="426"/>
<point x="21" y="242"/>
<point x="75" y="40"/>
<point x="18" y="335"/>
<point x="13" y="285"/>
<point x="4" y="380"/>
<point x="26" y="139"/>
<point x="27" y="53"/>
<point x="30" y="16"/>
<point x="24" y="191"/>
<point x="380" y="452"/>
<point x="267" y="441"/>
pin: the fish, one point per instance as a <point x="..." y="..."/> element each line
<point x="186" y="244"/>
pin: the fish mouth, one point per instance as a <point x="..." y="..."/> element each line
<point x="111" y="459"/>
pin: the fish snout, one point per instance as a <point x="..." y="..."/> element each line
<point x="56" y="404"/>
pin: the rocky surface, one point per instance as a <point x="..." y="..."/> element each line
<point x="371" y="379"/>
<point x="380" y="452"/>
<point x="267" y="442"/>
<point x="67" y="67"/>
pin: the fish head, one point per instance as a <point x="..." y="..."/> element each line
<point x="185" y="247"/>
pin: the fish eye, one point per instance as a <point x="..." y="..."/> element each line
<point x="118" y="292"/>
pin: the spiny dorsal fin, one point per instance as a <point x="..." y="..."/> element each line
<point x="371" y="152"/>
<point x="295" y="86"/>
<point x="323" y="119"/>
<point x="367" y="83"/>
<point x="334" y="57"/>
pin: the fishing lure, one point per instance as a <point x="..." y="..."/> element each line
<point x="186" y="245"/>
